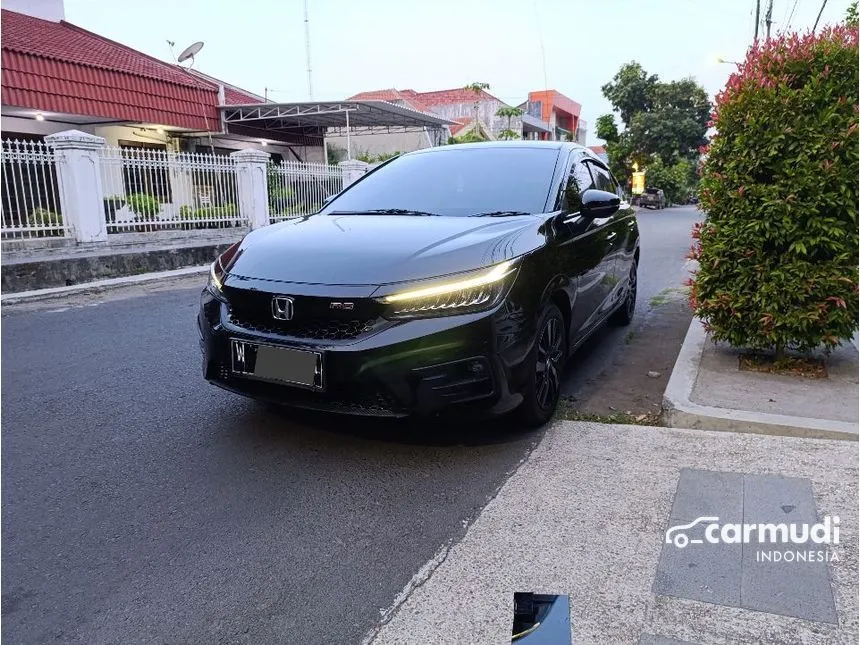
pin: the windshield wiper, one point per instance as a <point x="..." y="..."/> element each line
<point x="386" y="211"/>
<point x="500" y="214"/>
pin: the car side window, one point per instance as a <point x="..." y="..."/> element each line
<point x="578" y="181"/>
<point x="602" y="179"/>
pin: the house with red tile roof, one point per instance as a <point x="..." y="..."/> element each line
<point x="371" y="144"/>
<point x="457" y="105"/>
<point x="600" y="151"/>
<point x="58" y="76"/>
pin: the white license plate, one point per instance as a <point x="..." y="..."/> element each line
<point x="277" y="364"/>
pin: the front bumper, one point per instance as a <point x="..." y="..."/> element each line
<point x="469" y="362"/>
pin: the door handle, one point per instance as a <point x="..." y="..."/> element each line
<point x="612" y="236"/>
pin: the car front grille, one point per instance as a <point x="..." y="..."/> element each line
<point x="313" y="318"/>
<point x="317" y="329"/>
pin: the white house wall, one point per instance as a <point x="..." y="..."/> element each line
<point x="375" y="144"/>
<point x="32" y="126"/>
<point x="487" y="109"/>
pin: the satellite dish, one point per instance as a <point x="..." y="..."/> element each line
<point x="190" y="51"/>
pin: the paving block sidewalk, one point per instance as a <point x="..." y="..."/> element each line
<point x="586" y="515"/>
<point x="708" y="391"/>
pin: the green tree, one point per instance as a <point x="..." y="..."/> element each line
<point x="509" y="112"/>
<point x="674" y="179"/>
<point x="664" y="127"/>
<point x="778" y="251"/>
<point x="335" y="154"/>
<point x="607" y="129"/>
<point x="631" y="91"/>
<point x="851" y="18"/>
<point x="477" y="88"/>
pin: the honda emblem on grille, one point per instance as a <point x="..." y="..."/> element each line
<point x="282" y="308"/>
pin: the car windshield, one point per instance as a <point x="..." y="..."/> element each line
<point x="491" y="181"/>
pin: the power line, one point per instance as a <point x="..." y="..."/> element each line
<point x="757" y="19"/>
<point x="542" y="52"/>
<point x="308" y="53"/>
<point x="791" y="15"/>
<point x="767" y="18"/>
<point x="819" y="15"/>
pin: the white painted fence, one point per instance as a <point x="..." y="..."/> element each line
<point x="297" y="189"/>
<point x="50" y="189"/>
<point x="31" y="201"/>
<point x="149" y="190"/>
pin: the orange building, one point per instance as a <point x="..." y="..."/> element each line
<point x="561" y="112"/>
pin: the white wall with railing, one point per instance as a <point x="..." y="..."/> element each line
<point x="148" y="190"/>
<point x="50" y="189"/>
<point x="297" y="189"/>
<point x="30" y="196"/>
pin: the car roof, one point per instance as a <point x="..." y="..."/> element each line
<point x="550" y="145"/>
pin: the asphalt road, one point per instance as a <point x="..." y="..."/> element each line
<point x="665" y="240"/>
<point x="141" y="505"/>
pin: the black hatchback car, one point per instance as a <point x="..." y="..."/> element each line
<point x="454" y="278"/>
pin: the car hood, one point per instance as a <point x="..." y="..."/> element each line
<point x="382" y="249"/>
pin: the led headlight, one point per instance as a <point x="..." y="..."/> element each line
<point x="218" y="270"/>
<point x="476" y="292"/>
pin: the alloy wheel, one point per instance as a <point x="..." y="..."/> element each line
<point x="550" y="352"/>
<point x="631" y="292"/>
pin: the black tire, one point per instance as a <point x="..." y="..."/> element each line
<point x="623" y="316"/>
<point x="543" y="389"/>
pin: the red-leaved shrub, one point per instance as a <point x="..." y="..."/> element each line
<point x="778" y="250"/>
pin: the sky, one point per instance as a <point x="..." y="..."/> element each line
<point x="516" y="46"/>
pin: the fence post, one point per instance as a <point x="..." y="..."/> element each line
<point x="353" y="170"/>
<point x="252" y="186"/>
<point x="79" y="180"/>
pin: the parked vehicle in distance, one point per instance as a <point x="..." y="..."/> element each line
<point x="459" y="277"/>
<point x="652" y="198"/>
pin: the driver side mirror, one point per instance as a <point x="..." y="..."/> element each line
<point x="599" y="203"/>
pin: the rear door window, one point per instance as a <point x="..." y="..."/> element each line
<point x="602" y="179"/>
<point x="578" y="181"/>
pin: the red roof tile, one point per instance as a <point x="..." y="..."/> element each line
<point x="460" y="124"/>
<point x="234" y="96"/>
<point x="448" y="97"/>
<point x="409" y="97"/>
<point x="63" y="41"/>
<point x="375" y="95"/>
<point x="58" y="67"/>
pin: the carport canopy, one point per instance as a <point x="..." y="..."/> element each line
<point x="314" y="120"/>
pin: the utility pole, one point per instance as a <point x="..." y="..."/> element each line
<point x="820" y="11"/>
<point x="308" y="53"/>
<point x="757" y="19"/>
<point x="767" y="19"/>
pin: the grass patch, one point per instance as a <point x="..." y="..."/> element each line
<point x="799" y="366"/>
<point x="624" y="418"/>
<point x="668" y="295"/>
<point x="629" y="337"/>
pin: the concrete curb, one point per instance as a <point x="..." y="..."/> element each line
<point x="681" y="412"/>
<point x="99" y="285"/>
